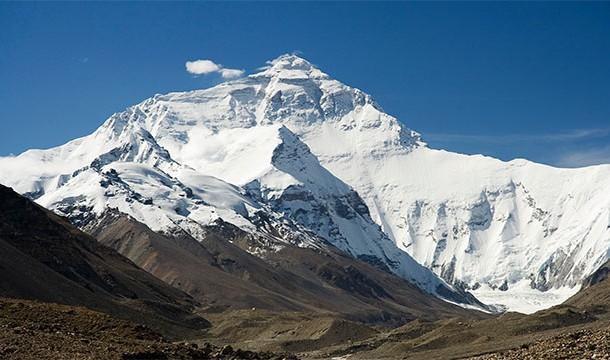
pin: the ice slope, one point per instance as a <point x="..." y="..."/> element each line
<point x="508" y="230"/>
<point x="137" y="176"/>
<point x="133" y="174"/>
<point x="473" y="220"/>
<point x="297" y="186"/>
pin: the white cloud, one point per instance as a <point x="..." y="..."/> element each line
<point x="231" y="73"/>
<point x="204" y="66"/>
<point x="201" y="67"/>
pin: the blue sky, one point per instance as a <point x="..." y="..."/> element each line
<point x="503" y="79"/>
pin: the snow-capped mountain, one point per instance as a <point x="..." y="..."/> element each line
<point x="322" y="160"/>
<point x="123" y="166"/>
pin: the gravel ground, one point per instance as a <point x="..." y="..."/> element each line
<point x="582" y="344"/>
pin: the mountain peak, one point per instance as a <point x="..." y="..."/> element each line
<point x="291" y="66"/>
<point x="291" y="61"/>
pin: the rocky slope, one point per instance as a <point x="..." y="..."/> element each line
<point x="576" y="329"/>
<point x="581" y="344"/>
<point x="219" y="272"/>
<point x="45" y="258"/>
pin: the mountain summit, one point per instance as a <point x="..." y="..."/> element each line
<point x="289" y="66"/>
<point x="325" y="165"/>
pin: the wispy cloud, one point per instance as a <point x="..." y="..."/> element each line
<point x="505" y="139"/>
<point x="587" y="157"/>
<point x="205" y="66"/>
<point x="574" y="148"/>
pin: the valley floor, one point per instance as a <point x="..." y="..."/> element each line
<point x="563" y="332"/>
<point x="35" y="330"/>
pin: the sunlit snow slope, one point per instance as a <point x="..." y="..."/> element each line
<point x="295" y="143"/>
